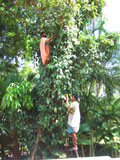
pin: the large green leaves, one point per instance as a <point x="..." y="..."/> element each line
<point x="17" y="96"/>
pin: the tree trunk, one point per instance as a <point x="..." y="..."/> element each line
<point x="83" y="152"/>
<point x="2" y="152"/>
<point x="16" y="152"/>
<point x="98" y="86"/>
<point x="92" y="150"/>
<point x="36" y="143"/>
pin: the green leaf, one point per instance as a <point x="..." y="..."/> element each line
<point x="84" y="141"/>
<point x="85" y="127"/>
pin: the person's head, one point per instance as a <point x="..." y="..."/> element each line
<point x="74" y="97"/>
<point x="43" y="34"/>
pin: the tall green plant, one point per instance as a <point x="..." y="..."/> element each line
<point x="78" y="64"/>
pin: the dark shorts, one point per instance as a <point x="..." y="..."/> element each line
<point x="70" y="129"/>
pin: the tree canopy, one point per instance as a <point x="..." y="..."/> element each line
<point x="83" y="61"/>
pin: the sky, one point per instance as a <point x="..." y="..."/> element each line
<point x="112" y="12"/>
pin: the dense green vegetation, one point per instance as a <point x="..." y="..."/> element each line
<point x="85" y="60"/>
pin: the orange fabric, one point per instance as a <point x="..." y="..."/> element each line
<point x="44" y="49"/>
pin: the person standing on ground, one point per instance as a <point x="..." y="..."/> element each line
<point x="73" y="119"/>
<point x="44" y="47"/>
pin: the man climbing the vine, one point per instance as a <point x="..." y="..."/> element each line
<point x="44" y="47"/>
<point x="73" y="119"/>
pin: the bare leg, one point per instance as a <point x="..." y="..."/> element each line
<point x="74" y="138"/>
<point x="46" y="66"/>
<point x="46" y="62"/>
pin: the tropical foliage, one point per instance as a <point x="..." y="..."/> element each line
<point x="85" y="60"/>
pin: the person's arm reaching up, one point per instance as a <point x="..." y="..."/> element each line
<point x="49" y="39"/>
<point x="70" y="108"/>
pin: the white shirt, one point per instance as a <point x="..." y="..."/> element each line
<point x="74" y="119"/>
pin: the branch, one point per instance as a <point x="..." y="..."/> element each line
<point x="36" y="143"/>
<point x="10" y="12"/>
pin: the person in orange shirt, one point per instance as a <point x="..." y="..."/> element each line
<point x="44" y="47"/>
